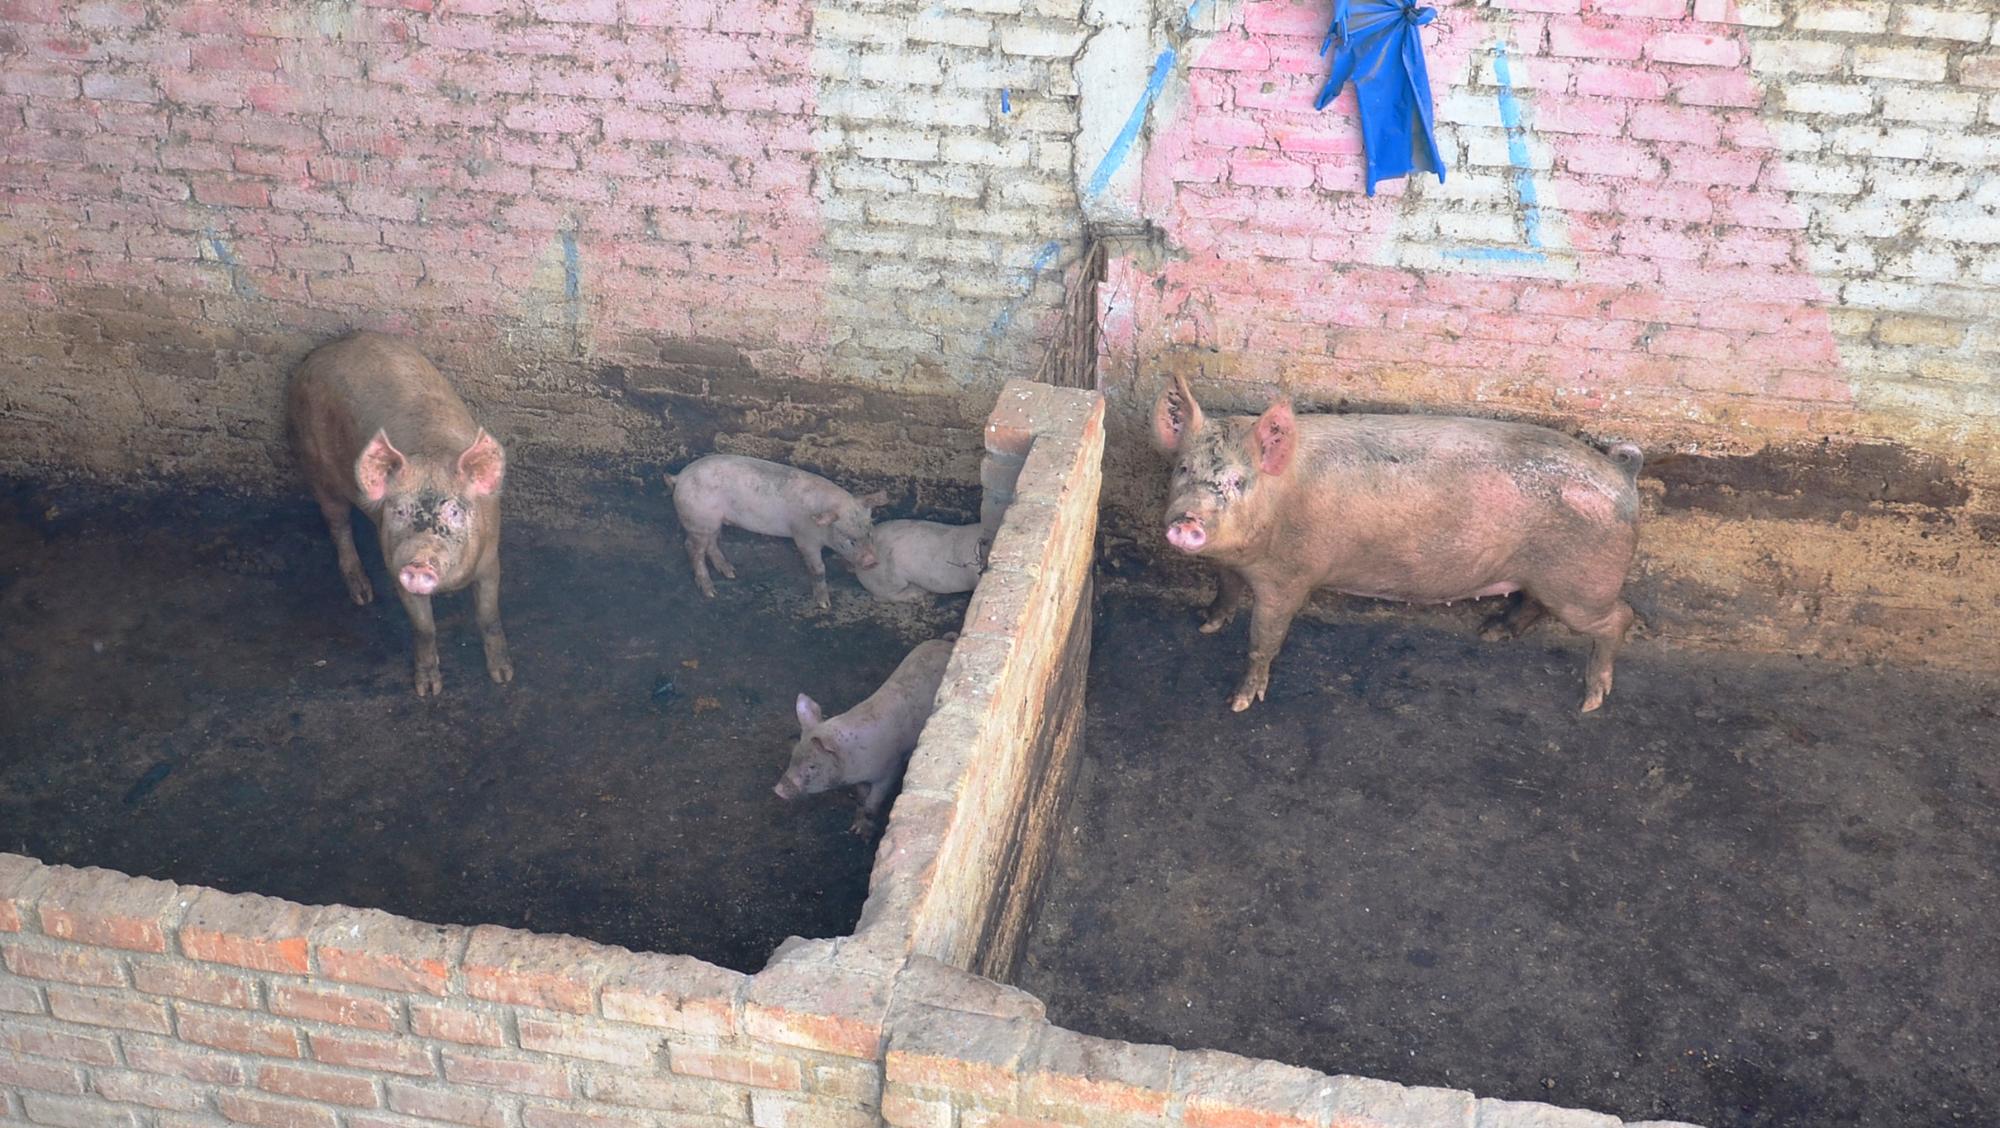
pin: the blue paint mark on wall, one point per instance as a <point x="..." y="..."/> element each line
<point x="1517" y="147"/>
<point x="1043" y="258"/>
<point x="1524" y="175"/>
<point x="226" y="257"/>
<point x="1006" y="101"/>
<point x="1121" y="145"/>
<point x="572" y="290"/>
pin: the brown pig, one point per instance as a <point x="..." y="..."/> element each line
<point x="1423" y="509"/>
<point x="376" y="426"/>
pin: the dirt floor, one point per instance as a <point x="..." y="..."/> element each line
<point x="1751" y="891"/>
<point x="186" y="693"/>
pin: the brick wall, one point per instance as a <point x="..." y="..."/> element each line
<point x="1725" y="221"/>
<point x="193" y="193"/>
<point x="1755" y="236"/>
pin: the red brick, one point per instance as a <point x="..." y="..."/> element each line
<point x="183" y="1061"/>
<point x="47" y="1076"/>
<point x="111" y="910"/>
<point x="75" y="1112"/>
<point x="317" y="1085"/>
<point x="1235" y="53"/>
<point x="556" y="973"/>
<point x="455" y="1107"/>
<point x="539" y="1078"/>
<point x="17" y="997"/>
<point x="760" y="1070"/>
<point x="1606" y="80"/>
<point x="336" y="1007"/>
<point x="1643" y="9"/>
<point x="260" y="933"/>
<point x="1572" y="38"/>
<point x="66" y="965"/>
<point x="266" y="1113"/>
<point x="541" y="1116"/>
<point x="1672" y="123"/>
<point x="1736" y="170"/>
<point x="235" y="56"/>
<point x="1613" y="158"/>
<point x="1718" y="88"/>
<point x="99" y="1009"/>
<point x="1555" y="113"/>
<point x="232" y="194"/>
<point x="242" y="1035"/>
<point x="90" y="1049"/>
<point x="199" y="984"/>
<point x="148" y="1089"/>
<point x="1694" y="49"/>
<point x="1688" y="205"/>
<point x="457" y="1026"/>
<point x="385" y="1055"/>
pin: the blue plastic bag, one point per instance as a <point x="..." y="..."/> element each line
<point x="1379" y="48"/>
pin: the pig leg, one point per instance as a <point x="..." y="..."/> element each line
<point x="871" y="808"/>
<point x="810" y="550"/>
<point x="429" y="682"/>
<point x="1606" y="629"/>
<point x="1271" y="615"/>
<point x="716" y="558"/>
<point x="1514" y="620"/>
<point x="1229" y="592"/>
<point x="336" y="510"/>
<point x="697" y="548"/>
<point x="486" y="596"/>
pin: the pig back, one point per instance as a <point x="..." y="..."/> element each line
<point x="346" y="390"/>
<point x="1430" y="507"/>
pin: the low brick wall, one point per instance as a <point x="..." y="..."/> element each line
<point x="132" y="1003"/>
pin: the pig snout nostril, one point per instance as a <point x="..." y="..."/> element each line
<point x="418" y="579"/>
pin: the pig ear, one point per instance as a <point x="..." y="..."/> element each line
<point x="378" y="464"/>
<point x="482" y="465"/>
<point x="809" y="714"/>
<point x="1275" y="437"/>
<point x="874" y="500"/>
<point x="1175" y="415"/>
<point x="824" y="519"/>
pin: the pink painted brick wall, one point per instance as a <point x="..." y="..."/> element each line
<point x="587" y="170"/>
<point x="1667" y="218"/>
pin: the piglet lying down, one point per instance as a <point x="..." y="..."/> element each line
<point x="1424" y="509"/>
<point x="869" y="745"/>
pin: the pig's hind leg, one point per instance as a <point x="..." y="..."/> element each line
<point x="1513" y="620"/>
<point x="809" y="551"/>
<point x="1606" y="627"/>
<point x="339" y="522"/>
<point x="716" y="558"/>
<point x="698" y="545"/>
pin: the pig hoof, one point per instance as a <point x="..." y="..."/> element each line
<point x="1495" y="630"/>
<point x="1591" y="703"/>
<point x="429" y="683"/>
<point x="1210" y="626"/>
<point x="359" y="590"/>
<point x="861" y="827"/>
<point x="502" y="672"/>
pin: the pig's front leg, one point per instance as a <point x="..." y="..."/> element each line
<point x="1270" y="618"/>
<point x="873" y="795"/>
<point x="486" y="594"/>
<point x="338" y="522"/>
<point x="429" y="681"/>
<point x="810" y="549"/>
<point x="1229" y="591"/>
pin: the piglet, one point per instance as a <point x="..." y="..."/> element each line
<point x="1419" y="508"/>
<point x="869" y="745"/>
<point x="376" y="426"/>
<point x="777" y="501"/>
<point x="913" y="558"/>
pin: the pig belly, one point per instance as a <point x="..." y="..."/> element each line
<point x="1502" y="588"/>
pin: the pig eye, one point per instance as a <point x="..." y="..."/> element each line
<point x="402" y="510"/>
<point x="452" y="512"/>
<point x="1232" y="483"/>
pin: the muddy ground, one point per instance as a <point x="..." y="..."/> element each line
<point x="1752" y="891"/>
<point x="186" y="693"/>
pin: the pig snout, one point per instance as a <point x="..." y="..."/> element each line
<point x="418" y="578"/>
<point x="867" y="557"/>
<point x="787" y="789"/>
<point x="1186" y="533"/>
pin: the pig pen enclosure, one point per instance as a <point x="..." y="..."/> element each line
<point x="249" y="879"/>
